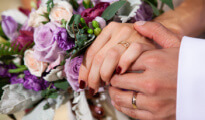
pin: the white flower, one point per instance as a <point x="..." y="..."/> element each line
<point x="16" y="98"/>
<point x="61" y="10"/>
<point x="36" y="17"/>
<point x="55" y="74"/>
<point x="34" y="66"/>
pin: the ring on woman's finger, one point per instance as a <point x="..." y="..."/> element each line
<point x="124" y="43"/>
<point x="134" y="104"/>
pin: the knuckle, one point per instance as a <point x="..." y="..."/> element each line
<point x="117" y="100"/>
<point x="126" y="29"/>
<point x="153" y="60"/>
<point x="137" y="46"/>
<point x="112" y="24"/>
<point x="157" y="26"/>
<point x="151" y="87"/>
<point x="113" y="53"/>
<point x="90" y="52"/>
<point x="98" y="59"/>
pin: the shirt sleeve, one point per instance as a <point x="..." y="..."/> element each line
<point x="191" y="80"/>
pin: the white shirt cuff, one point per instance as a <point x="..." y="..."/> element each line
<point x="191" y="80"/>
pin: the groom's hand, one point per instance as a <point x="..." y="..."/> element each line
<point x="156" y="99"/>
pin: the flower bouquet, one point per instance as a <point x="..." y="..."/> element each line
<point x="41" y="52"/>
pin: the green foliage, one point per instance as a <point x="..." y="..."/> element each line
<point x="9" y="49"/>
<point x="49" y="93"/>
<point x="112" y="9"/>
<point x="75" y="20"/>
<point x="62" y="84"/>
<point x="50" y="5"/>
<point x="20" y="68"/>
<point x="46" y="106"/>
<point x="169" y="3"/>
<point x="3" y="82"/>
<point x="2" y="33"/>
<point x="87" y="4"/>
<point x="74" y="4"/>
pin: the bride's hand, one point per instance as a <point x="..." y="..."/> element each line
<point x="102" y="57"/>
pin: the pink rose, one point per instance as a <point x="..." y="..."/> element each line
<point x="35" y="67"/>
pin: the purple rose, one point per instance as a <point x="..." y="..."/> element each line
<point x="16" y="80"/>
<point x="92" y="13"/>
<point x="61" y="36"/>
<point x="71" y="70"/>
<point x="46" y="48"/>
<point x="34" y="83"/>
<point x="144" y="13"/>
<point x="9" y="26"/>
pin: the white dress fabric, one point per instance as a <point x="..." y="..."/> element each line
<point x="191" y="80"/>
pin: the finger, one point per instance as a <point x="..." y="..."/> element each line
<point x="158" y="33"/>
<point x="110" y="62"/>
<point x="131" y="55"/>
<point x="130" y="81"/>
<point x="124" y="98"/>
<point x="94" y="72"/>
<point x="134" y="113"/>
<point x="100" y="41"/>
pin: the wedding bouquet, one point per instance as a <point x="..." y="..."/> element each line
<point x="40" y="55"/>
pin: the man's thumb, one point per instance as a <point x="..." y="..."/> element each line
<point x="158" y="33"/>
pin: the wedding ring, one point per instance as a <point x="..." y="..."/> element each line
<point x="134" y="104"/>
<point x="125" y="44"/>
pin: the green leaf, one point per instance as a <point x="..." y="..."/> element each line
<point x="2" y="33"/>
<point x="3" y="82"/>
<point x="62" y="84"/>
<point x="112" y="9"/>
<point x="155" y="9"/>
<point x="50" y="5"/>
<point x="169" y="3"/>
<point x="46" y="106"/>
<point x="74" y="4"/>
<point x="18" y="70"/>
<point x="49" y="93"/>
<point x="75" y="19"/>
<point x="80" y="51"/>
<point x="8" y="49"/>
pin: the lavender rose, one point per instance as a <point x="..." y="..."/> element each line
<point x="71" y="70"/>
<point x="92" y="13"/>
<point x="61" y="36"/>
<point x="10" y="26"/>
<point x="46" y="48"/>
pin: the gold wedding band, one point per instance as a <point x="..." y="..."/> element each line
<point x="125" y="44"/>
<point x="134" y="104"/>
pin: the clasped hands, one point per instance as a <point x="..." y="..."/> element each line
<point x="121" y="50"/>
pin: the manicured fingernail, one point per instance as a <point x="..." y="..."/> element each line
<point x="140" y="23"/>
<point x="113" y="103"/>
<point x="82" y="84"/>
<point x="118" y="70"/>
<point x="91" y="91"/>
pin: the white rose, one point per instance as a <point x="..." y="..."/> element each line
<point x="34" y="66"/>
<point x="61" y="10"/>
<point x="55" y="74"/>
<point x="36" y="18"/>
